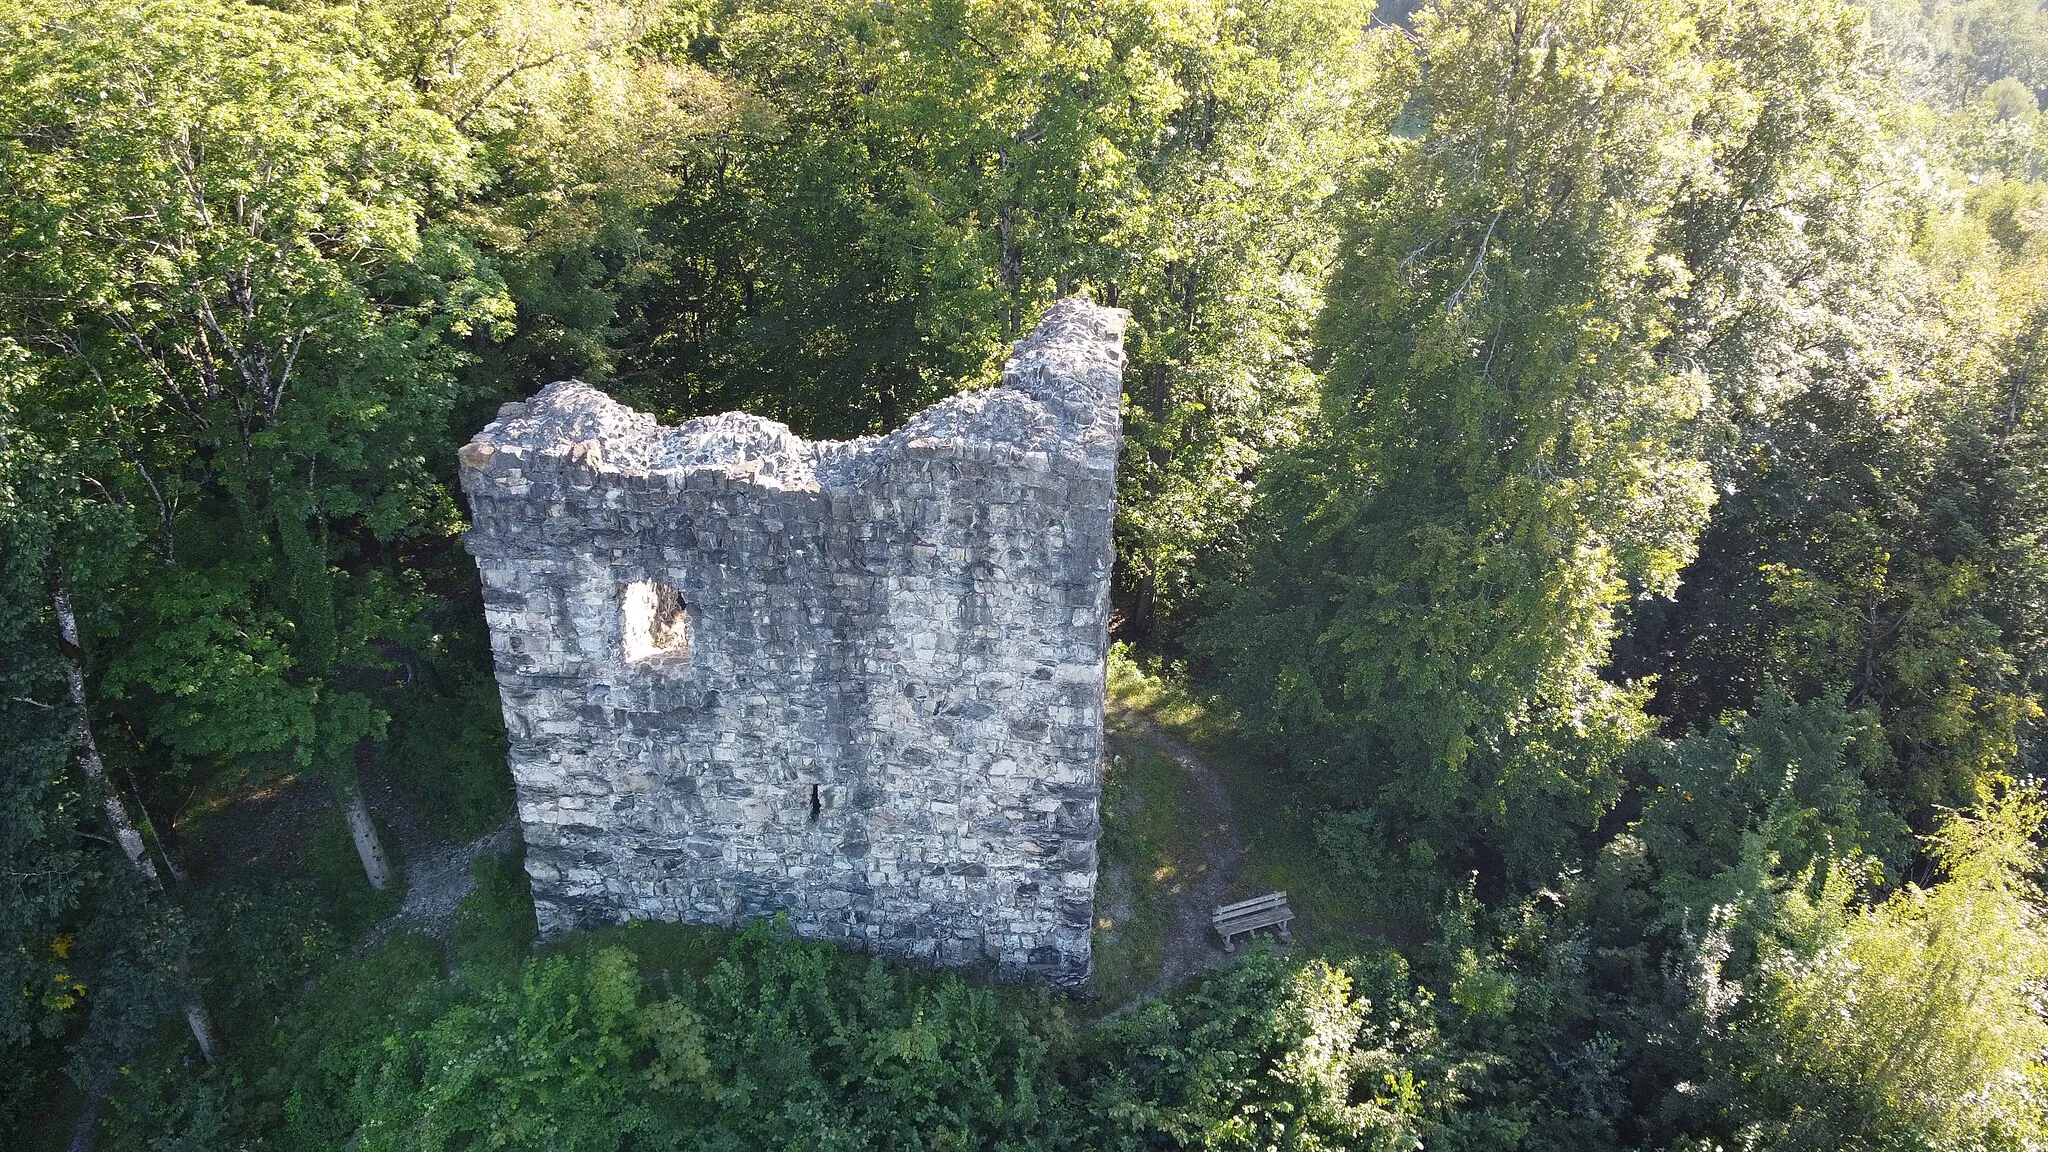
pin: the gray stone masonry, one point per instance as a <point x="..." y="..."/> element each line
<point x="857" y="682"/>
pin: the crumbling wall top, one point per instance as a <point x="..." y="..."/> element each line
<point x="1060" y="395"/>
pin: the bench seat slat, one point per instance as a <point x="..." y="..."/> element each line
<point x="1248" y="923"/>
<point x="1266" y="911"/>
<point x="1269" y="900"/>
<point x="1255" y="914"/>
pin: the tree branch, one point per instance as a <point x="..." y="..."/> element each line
<point x="1478" y="264"/>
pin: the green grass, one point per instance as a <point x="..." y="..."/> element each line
<point x="495" y="925"/>
<point x="1275" y="820"/>
<point x="1148" y="853"/>
<point x="1153" y="830"/>
<point x="1153" y="846"/>
<point x="664" y="950"/>
<point x="354" y="906"/>
<point x="668" y="953"/>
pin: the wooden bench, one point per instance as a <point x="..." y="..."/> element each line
<point x="1268" y="911"/>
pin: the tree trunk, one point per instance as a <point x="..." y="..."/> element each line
<point x="87" y="1126"/>
<point x="149" y="826"/>
<point x="1010" y="270"/>
<point x="1139" y="626"/>
<point x="125" y="832"/>
<point x="197" y="1017"/>
<point x="376" y="865"/>
<point x="201" y="1022"/>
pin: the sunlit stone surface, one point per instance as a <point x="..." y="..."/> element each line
<point x="857" y="682"/>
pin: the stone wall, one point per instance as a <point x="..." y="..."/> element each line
<point x="857" y="682"/>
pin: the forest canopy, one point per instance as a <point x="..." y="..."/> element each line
<point x="1588" y="459"/>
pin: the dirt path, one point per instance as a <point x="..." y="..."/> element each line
<point x="268" y="826"/>
<point x="1190" y="944"/>
<point x="262" y="825"/>
<point x="437" y="882"/>
<point x="415" y="840"/>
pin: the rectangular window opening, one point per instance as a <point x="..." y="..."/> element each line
<point x="654" y="623"/>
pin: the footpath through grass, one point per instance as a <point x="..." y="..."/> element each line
<point x="1271" y="815"/>
<point x="1148" y="856"/>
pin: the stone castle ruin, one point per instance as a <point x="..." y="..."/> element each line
<point x="857" y="682"/>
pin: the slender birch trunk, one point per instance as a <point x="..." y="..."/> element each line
<point x="87" y="1126"/>
<point x="125" y="832"/>
<point x="369" y="849"/>
<point x="157" y="838"/>
<point x="197" y="1018"/>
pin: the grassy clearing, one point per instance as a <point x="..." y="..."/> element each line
<point x="1276" y="822"/>
<point x="668" y="956"/>
<point x="1158" y="839"/>
<point x="330" y="856"/>
<point x="665" y="951"/>
<point x="495" y="925"/>
<point x="1149" y="825"/>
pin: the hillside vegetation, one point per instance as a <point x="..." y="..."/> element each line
<point x="1583" y="531"/>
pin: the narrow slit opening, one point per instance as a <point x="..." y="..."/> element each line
<point x="817" y="804"/>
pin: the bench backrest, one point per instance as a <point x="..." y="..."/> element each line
<point x="1270" y="900"/>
